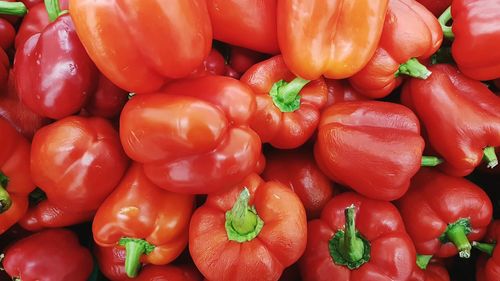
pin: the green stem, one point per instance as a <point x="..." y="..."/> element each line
<point x="53" y="9"/>
<point x="413" y="68"/>
<point x="134" y="249"/>
<point x="490" y="157"/>
<point x="13" y="8"/>
<point x="484" y="247"/>
<point x="423" y="261"/>
<point x="457" y="235"/>
<point x="430" y="161"/>
<point x="443" y="20"/>
<point x="242" y="222"/>
<point x="5" y="201"/>
<point x="286" y="95"/>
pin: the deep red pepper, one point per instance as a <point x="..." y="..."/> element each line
<point x="50" y="255"/>
<point x="7" y="34"/>
<point x="341" y="91"/>
<point x="488" y="268"/>
<point x="288" y="107"/>
<point x="4" y="70"/>
<point x="410" y="33"/>
<point x="460" y="115"/>
<point x="358" y="239"/>
<point x="30" y="3"/>
<point x="298" y="170"/>
<point x="213" y="64"/>
<point x="436" y="7"/>
<point x="443" y="213"/>
<point x="428" y="270"/>
<point x="241" y="59"/>
<point x="12" y="11"/>
<point x="107" y="101"/>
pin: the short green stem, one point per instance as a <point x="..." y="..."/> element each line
<point x="443" y="20"/>
<point x="430" y="161"/>
<point x="413" y="68"/>
<point x="286" y="96"/>
<point x="490" y="157"/>
<point x="134" y="248"/>
<point x="5" y="201"/>
<point x="423" y="261"/>
<point x="53" y="9"/>
<point x="457" y="234"/>
<point x="242" y="222"/>
<point x="13" y="8"/>
<point x="484" y="247"/>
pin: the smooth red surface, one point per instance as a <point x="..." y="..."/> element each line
<point x="241" y="59"/>
<point x="107" y="101"/>
<point x="4" y="70"/>
<point x="7" y="34"/>
<point x="341" y="91"/>
<point x="488" y="268"/>
<point x="437" y="7"/>
<point x="213" y="64"/>
<point x="433" y="272"/>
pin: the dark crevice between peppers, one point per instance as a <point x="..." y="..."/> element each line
<point x="286" y="96"/>
<point x="484" y="247"/>
<point x="54" y="9"/>
<point x="13" y="8"/>
<point x="242" y="222"/>
<point x="348" y="247"/>
<point x="423" y="261"/>
<point x="443" y="20"/>
<point x="134" y="249"/>
<point x="430" y="161"/>
<point x="413" y="68"/>
<point x="490" y="157"/>
<point x="5" y="201"/>
<point x="457" y="234"/>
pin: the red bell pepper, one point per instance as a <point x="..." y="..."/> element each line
<point x="11" y="10"/>
<point x="241" y="59"/>
<point x="15" y="176"/>
<point x="213" y="64"/>
<point x="178" y="35"/>
<point x="50" y="255"/>
<point x="194" y="136"/>
<point x="410" y="33"/>
<point x="357" y="238"/>
<point x="245" y="23"/>
<point x="111" y="262"/>
<point x="7" y="34"/>
<point x="288" y="107"/>
<point x="443" y="213"/>
<point x="425" y="271"/>
<point x="460" y="115"/>
<point x="151" y="223"/>
<point x="476" y="33"/>
<point x="4" y="70"/>
<point x="436" y="7"/>
<point x="107" y="101"/>
<point x="331" y="38"/>
<point x="249" y="232"/>
<point x="54" y="74"/>
<point x="381" y="170"/>
<point x="77" y="162"/>
<point x="31" y="3"/>
<point x="298" y="170"/>
<point x="489" y="265"/>
<point x="341" y="91"/>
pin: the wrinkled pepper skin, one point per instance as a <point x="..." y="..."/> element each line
<point x="193" y="137"/>
<point x="460" y="115"/>
<point x="410" y="32"/>
<point x="284" y="128"/>
<point x="433" y="272"/>
<point x="245" y="23"/>
<point x="15" y="176"/>
<point x="436" y="7"/>
<point x="140" y="210"/>
<point x="391" y="252"/>
<point x="488" y="265"/>
<point x="54" y="74"/>
<point x="331" y="38"/>
<point x="298" y="170"/>
<point x="135" y="66"/>
<point x="276" y="236"/>
<point x="476" y="26"/>
<point x="77" y="162"/>
<point x="50" y="255"/>
<point x="341" y="91"/>
<point x="7" y="34"/>
<point x="439" y="208"/>
<point x="381" y="170"/>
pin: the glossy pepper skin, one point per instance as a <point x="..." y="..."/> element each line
<point x="432" y="272"/>
<point x="246" y="23"/>
<point x="382" y="249"/>
<point x="381" y="170"/>
<point x="331" y="38"/>
<point x="193" y="137"/>
<point x="77" y="162"/>
<point x="488" y="267"/>
<point x="151" y="223"/>
<point x="443" y="213"/>
<point x="213" y="64"/>
<point x="135" y="66"/>
<point x="107" y="101"/>
<point x="460" y="115"/>
<point x="253" y="231"/>
<point x="410" y="33"/>
<point x="288" y="107"/>
<point x="50" y="255"/>
<point x="341" y="91"/>
<point x="298" y="170"/>
<point x="15" y="176"/>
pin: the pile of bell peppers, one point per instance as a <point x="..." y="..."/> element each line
<point x="228" y="140"/>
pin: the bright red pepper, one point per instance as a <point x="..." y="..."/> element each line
<point x="151" y="223"/>
<point x="288" y="107"/>
<point x="31" y="3"/>
<point x="7" y="34"/>
<point x="476" y="33"/>
<point x="213" y="64"/>
<point x="298" y="170"/>
<point x="382" y="169"/>
<point x="341" y="91"/>
<point x="15" y="176"/>
<point x="107" y="101"/>
<point x="250" y="232"/>
<point x="357" y="239"/>
<point x="427" y="270"/>
<point x="193" y="137"/>
<point x="50" y="255"/>
<point x="4" y="70"/>
<point x="410" y="33"/>
<point x="443" y="213"/>
<point x="460" y="115"/>
<point x="77" y="162"/>
<point x="331" y="38"/>
<point x="241" y="59"/>
<point x="488" y="267"/>
<point x="436" y="7"/>
<point x="178" y="35"/>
